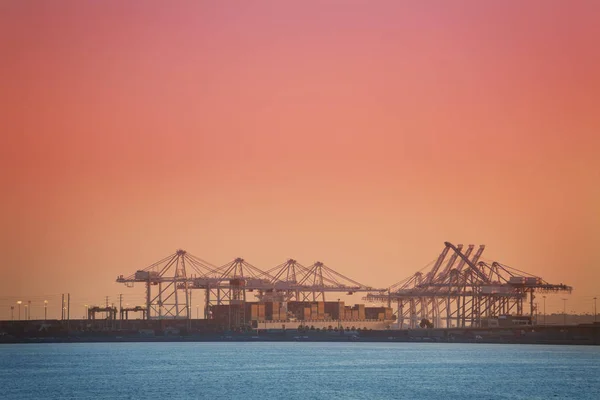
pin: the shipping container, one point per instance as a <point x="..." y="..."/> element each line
<point x="306" y="315"/>
<point x="321" y="307"/>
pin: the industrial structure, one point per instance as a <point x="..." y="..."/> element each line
<point x="460" y="290"/>
<point x="290" y="291"/>
<point x="465" y="292"/>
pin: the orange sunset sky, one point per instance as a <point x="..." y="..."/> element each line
<point x="362" y="134"/>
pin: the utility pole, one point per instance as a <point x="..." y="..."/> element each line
<point x="45" y="310"/>
<point x="106" y="301"/>
<point x="564" y="311"/>
<point x="12" y="313"/>
<point x="29" y="312"/>
<point x="121" y="310"/>
<point x="19" y="304"/>
<point x="595" y="313"/>
<point x="62" y="308"/>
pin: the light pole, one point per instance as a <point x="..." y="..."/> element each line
<point x="564" y="311"/>
<point x="26" y="312"/>
<point x="339" y="314"/>
<point x="12" y="313"/>
<point x="45" y="310"/>
<point x="19" y="304"/>
<point x="29" y="312"/>
<point x="595" y="313"/>
<point x="544" y="310"/>
<point x="86" y="311"/>
<point x="197" y="312"/>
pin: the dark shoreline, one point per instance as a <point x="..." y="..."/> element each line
<point x="293" y="336"/>
<point x="263" y="340"/>
<point x="133" y="331"/>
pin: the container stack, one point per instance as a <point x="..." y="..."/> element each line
<point x="301" y="310"/>
<point x="306" y="314"/>
<point x="255" y="311"/>
<point x="321" y="310"/>
<point x="334" y="309"/>
<point x="379" y="313"/>
<point x="227" y="314"/>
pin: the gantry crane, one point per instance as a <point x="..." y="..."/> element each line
<point x="464" y="295"/>
<point x="171" y="281"/>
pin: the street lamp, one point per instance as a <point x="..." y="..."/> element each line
<point x="19" y="304"/>
<point x="45" y="310"/>
<point x="12" y="313"/>
<point x="595" y="313"/>
<point x="29" y="312"/>
<point x="26" y="312"/>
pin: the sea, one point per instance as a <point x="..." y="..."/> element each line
<point x="290" y="370"/>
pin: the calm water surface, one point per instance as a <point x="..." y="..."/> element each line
<point x="298" y="371"/>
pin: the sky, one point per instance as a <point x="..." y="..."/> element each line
<point x="362" y="134"/>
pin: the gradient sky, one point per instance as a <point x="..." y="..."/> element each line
<point x="362" y="134"/>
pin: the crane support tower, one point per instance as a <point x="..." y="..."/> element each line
<point x="168" y="284"/>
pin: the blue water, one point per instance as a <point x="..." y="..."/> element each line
<point x="298" y="371"/>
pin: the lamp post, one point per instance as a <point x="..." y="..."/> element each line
<point x="544" y="309"/>
<point x="86" y="311"/>
<point x="29" y="312"/>
<point x="197" y="312"/>
<point x="19" y="304"/>
<point x="595" y="313"/>
<point x="564" y="311"/>
<point x="12" y="313"/>
<point x="26" y="312"/>
<point x="339" y="314"/>
<point x="45" y="310"/>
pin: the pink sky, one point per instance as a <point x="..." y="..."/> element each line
<point x="357" y="134"/>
